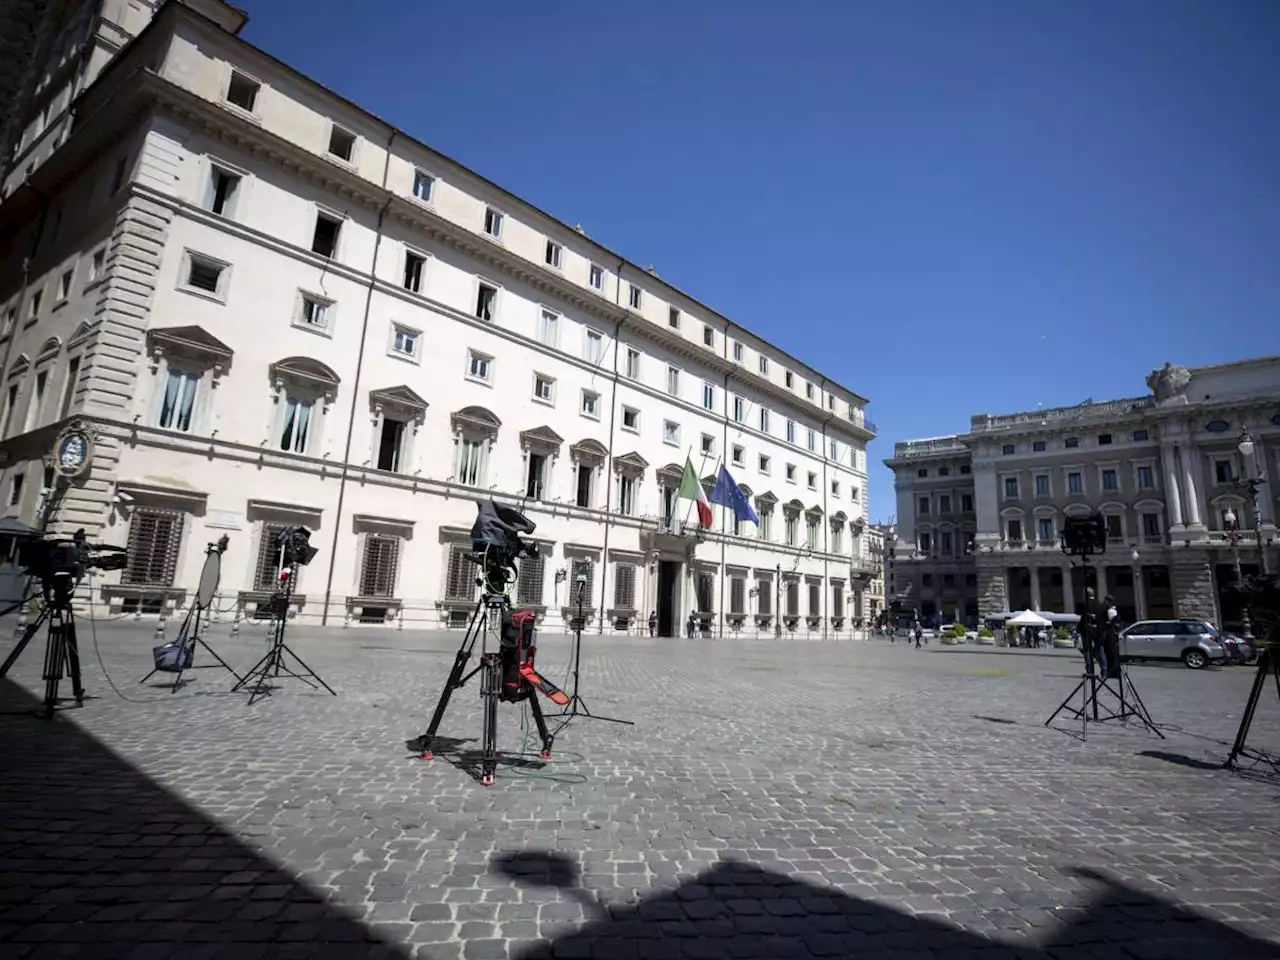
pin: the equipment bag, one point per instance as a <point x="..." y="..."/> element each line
<point x="174" y="657"/>
<point x="517" y="648"/>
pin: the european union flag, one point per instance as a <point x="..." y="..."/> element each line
<point x="729" y="494"/>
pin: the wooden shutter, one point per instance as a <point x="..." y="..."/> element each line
<point x="155" y="537"/>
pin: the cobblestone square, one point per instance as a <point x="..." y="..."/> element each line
<point x="775" y="799"/>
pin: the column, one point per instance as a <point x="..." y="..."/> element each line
<point x="1068" y="591"/>
<point x="1172" y="489"/>
<point x="1035" y="588"/>
<point x="1139" y="593"/>
<point x="1190" y="495"/>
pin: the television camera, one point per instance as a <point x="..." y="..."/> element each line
<point x="497" y="544"/>
<point x="59" y="563"/>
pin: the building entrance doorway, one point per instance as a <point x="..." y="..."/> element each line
<point x="668" y="598"/>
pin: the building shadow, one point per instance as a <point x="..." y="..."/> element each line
<point x="98" y="857"/>
<point x="737" y="909"/>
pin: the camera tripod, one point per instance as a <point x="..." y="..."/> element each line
<point x="577" y="707"/>
<point x="189" y="634"/>
<point x="492" y="610"/>
<point x="272" y="665"/>
<point x="1268" y="662"/>
<point x="62" y="652"/>
<point x="1091" y="684"/>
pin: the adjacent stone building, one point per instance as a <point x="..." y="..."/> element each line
<point x="979" y="514"/>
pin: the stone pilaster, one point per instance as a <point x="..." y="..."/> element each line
<point x="1193" y="590"/>
<point x="992" y="588"/>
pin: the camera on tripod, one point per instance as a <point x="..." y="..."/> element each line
<point x="496" y="540"/>
<point x="295" y="546"/>
<point x="48" y="557"/>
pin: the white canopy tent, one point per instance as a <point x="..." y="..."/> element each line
<point x="1028" y="618"/>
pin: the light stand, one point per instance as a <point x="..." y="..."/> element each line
<point x="272" y="665"/>
<point x="577" y="707"/>
<point x="1081" y="538"/>
<point x="178" y="655"/>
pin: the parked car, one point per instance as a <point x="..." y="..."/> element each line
<point x="1194" y="642"/>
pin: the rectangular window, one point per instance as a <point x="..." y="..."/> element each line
<point x="1141" y="436"/>
<point x="492" y="222"/>
<point x="10" y="320"/>
<point x="544" y="388"/>
<point x="835" y="488"/>
<point x="673" y="381"/>
<point x="155" y="537"/>
<point x="945" y="543"/>
<point x="764" y="366"/>
<point x="764" y="463"/>
<point x="1224" y="472"/>
<point x="834" y="450"/>
<point x="1104" y="439"/>
<point x="64" y="285"/>
<point x="223" y="187"/>
<point x="470" y="457"/>
<point x="926" y="546"/>
<point x="671" y="432"/>
<point x="811" y="481"/>
<point x="737" y="595"/>
<point x="1008" y="449"/>
<point x="15" y="489"/>
<point x="942" y="472"/>
<point x="342" y="143"/>
<point x="1151" y="526"/>
<point x="413" y="264"/>
<point x="626" y="495"/>
<point x="553" y="254"/>
<point x="535" y="481"/>
<point x="791" y="431"/>
<point x="117" y="175"/>
<point x="179" y="401"/>
<point x="708" y="445"/>
<point x="813" y="441"/>
<point x="379" y="565"/>
<point x="737" y="352"/>
<point x="69" y="387"/>
<point x="1042" y="485"/>
<point x="633" y="363"/>
<point x="486" y="302"/>
<point x="739" y="456"/>
<point x="595" y="277"/>
<point x="297" y="424"/>
<point x="530" y="579"/>
<point x="96" y="263"/>
<point x="764" y="420"/>
<point x="790" y="472"/>
<point x="965" y="470"/>
<point x="944" y="503"/>
<point x="37" y="401"/>
<point x="790" y="379"/>
<point x="582" y="573"/>
<point x="790" y="528"/>
<point x="324" y="240"/>
<point x="479" y="366"/>
<point x="739" y="409"/>
<point x="1146" y="478"/>
<point x="583" y="486"/>
<point x="633" y="297"/>
<point x="549" y="328"/>
<point x="10" y="404"/>
<point x="204" y="274"/>
<point x="1071" y="443"/>
<point x="593" y="347"/>
<point x="764" y="596"/>
<point x="1115" y="526"/>
<point x="966" y="503"/>
<point x="423" y="185"/>
<point x="1109" y="480"/>
<point x="591" y="404"/>
<point x="242" y="92"/>
<point x="837" y="538"/>
<point x="1045" y="532"/>
<point x="1015" y="530"/>
<point x="631" y="419"/>
<point x="1011" y="488"/>
<point x="1075" y="482"/>
<point x="624" y="586"/>
<point x="708" y="336"/>
<point x="404" y="341"/>
<point x="808" y="391"/>
<point x="390" y="442"/>
<point x="314" y="312"/>
<point x="922" y="506"/>
<point x="673" y="318"/>
<point x="460" y="580"/>
<point x="1038" y="446"/>
<point x="270" y="560"/>
<point x="708" y="396"/>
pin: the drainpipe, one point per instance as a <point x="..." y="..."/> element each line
<point x="724" y="448"/>
<point x="608" y="470"/>
<point x="355" y="385"/>
<point x="777" y="602"/>
<point x="826" y="526"/>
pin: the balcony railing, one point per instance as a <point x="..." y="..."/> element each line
<point x="984" y="423"/>
<point x="1243" y="536"/>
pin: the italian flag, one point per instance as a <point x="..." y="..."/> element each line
<point x="691" y="488"/>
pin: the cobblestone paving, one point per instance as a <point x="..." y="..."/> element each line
<point x="775" y="799"/>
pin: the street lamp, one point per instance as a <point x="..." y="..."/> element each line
<point x="1233" y="534"/>
<point x="1252" y="483"/>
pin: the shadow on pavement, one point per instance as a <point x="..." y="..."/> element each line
<point x="741" y="910"/>
<point x="1181" y="760"/>
<point x="97" y="859"/>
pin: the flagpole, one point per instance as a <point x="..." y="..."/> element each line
<point x="724" y="536"/>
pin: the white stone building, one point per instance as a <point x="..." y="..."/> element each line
<point x="268" y="307"/>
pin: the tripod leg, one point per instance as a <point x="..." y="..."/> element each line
<point x="454" y="682"/>
<point x="309" y="672"/>
<point x="22" y="644"/>
<point x="1255" y="694"/>
<point x="55" y="656"/>
<point x="490" y="685"/>
<point x="210" y="651"/>
<point x="541" y="723"/>
<point x="1065" y="704"/>
<point x="73" y="660"/>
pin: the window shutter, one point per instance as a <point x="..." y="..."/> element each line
<point x="624" y="586"/>
<point x="737" y="595"/>
<point x="529" y="581"/>
<point x="587" y="569"/>
<point x="267" y="570"/>
<point x="460" y="580"/>
<point x="154" y="539"/>
<point x="381" y="559"/>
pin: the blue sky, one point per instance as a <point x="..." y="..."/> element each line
<point x="951" y="207"/>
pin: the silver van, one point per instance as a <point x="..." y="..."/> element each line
<point x="1194" y="642"/>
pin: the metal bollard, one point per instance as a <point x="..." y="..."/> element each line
<point x="21" y="626"/>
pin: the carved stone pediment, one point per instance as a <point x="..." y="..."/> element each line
<point x="631" y="463"/>
<point x="475" y="419"/>
<point x="590" y="452"/>
<point x="541" y="439"/>
<point x="189" y="343"/>
<point x="400" y="396"/>
<point x="306" y="370"/>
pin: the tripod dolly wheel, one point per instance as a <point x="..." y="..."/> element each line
<point x="545" y="755"/>
<point x="427" y="755"/>
<point x="487" y="780"/>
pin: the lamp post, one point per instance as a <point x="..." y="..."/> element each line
<point x="1252" y="483"/>
<point x="1233" y="534"/>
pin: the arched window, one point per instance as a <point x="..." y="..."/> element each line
<point x="475" y="430"/>
<point x="303" y="391"/>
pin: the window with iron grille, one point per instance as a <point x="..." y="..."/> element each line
<point x="584" y="568"/>
<point x="737" y="595"/>
<point x="266" y="575"/>
<point x="529" y="582"/>
<point x="624" y="586"/>
<point x="381" y="562"/>
<point x="706" y="583"/>
<point x="764" y="596"/>
<point x="154" y="539"/>
<point x="460" y="578"/>
<point x="837" y="600"/>
<point x="793" y="599"/>
<point x="815" y="600"/>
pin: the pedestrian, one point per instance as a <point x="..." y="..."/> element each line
<point x="919" y="634"/>
<point x="653" y="623"/>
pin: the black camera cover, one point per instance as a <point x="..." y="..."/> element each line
<point x="497" y="530"/>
